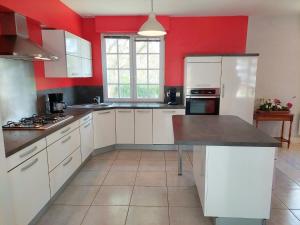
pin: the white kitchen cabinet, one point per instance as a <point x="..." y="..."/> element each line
<point x="238" y="83"/>
<point x="104" y="124"/>
<point x="30" y="188"/>
<point x="143" y="126"/>
<point x="163" y="126"/>
<point x="125" y="126"/>
<point x="86" y="139"/>
<point x="74" y="54"/>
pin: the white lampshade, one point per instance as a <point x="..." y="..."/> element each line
<point x="152" y="28"/>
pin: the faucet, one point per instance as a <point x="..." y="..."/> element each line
<point x="97" y="100"/>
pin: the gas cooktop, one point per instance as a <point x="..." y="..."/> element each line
<point x="37" y="122"/>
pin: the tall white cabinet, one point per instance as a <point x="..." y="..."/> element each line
<point x="238" y="83"/>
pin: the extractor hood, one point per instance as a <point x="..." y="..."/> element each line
<point x="15" y="42"/>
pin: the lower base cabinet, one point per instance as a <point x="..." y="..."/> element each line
<point x="30" y="188"/>
<point x="63" y="171"/>
<point x="86" y="139"/>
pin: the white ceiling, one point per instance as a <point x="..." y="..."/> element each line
<point x="185" y="7"/>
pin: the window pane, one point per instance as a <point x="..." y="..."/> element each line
<point x="141" y="47"/>
<point x="141" y="61"/>
<point x="123" y="45"/>
<point x="154" y="47"/>
<point x="124" y="76"/>
<point x="111" y="45"/>
<point x="112" y="91"/>
<point x="154" y="61"/>
<point x="141" y="76"/>
<point x="124" y="91"/>
<point x="153" y="76"/>
<point x="112" y="61"/>
<point x="124" y="61"/>
<point x="153" y="91"/>
<point x="142" y="91"/>
<point x="112" y="76"/>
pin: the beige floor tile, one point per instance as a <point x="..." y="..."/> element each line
<point x="120" y="178"/>
<point x="185" y="180"/>
<point x="147" y="216"/>
<point x="152" y="166"/>
<point x="289" y="198"/>
<point x="106" y="215"/>
<point x="107" y="155"/>
<point x="77" y="195"/>
<point x="98" y="165"/>
<point x="172" y="155"/>
<point x="113" y="195"/>
<point x="283" y="182"/>
<point x="172" y="166"/>
<point x="282" y="217"/>
<point x="296" y="213"/>
<point x="63" y="215"/>
<point x="125" y="165"/>
<point x="276" y="203"/>
<point x="183" y="196"/>
<point x="151" y="179"/>
<point x="89" y="178"/>
<point x="149" y="196"/>
<point x="190" y="216"/>
<point x="129" y="154"/>
<point x="153" y="155"/>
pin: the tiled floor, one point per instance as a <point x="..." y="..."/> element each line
<point x="130" y="187"/>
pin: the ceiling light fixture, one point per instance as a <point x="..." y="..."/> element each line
<point x="152" y="28"/>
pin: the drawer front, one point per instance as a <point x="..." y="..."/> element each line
<point x="63" y="171"/>
<point x="29" y="188"/>
<point x="61" y="133"/>
<point x="87" y="139"/>
<point x="58" y="151"/>
<point x="19" y="157"/>
<point x="88" y="117"/>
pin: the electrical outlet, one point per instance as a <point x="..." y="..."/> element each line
<point x="178" y="94"/>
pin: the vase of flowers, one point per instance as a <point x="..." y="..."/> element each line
<point x="274" y="106"/>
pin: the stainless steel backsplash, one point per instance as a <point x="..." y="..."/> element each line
<point x="17" y="90"/>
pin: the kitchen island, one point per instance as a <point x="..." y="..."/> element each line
<point x="233" y="166"/>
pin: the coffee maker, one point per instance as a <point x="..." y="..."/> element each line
<point x="56" y="103"/>
<point x="172" y="96"/>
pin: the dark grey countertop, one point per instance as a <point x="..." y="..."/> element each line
<point x="219" y="131"/>
<point x="16" y="140"/>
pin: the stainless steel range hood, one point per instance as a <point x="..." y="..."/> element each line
<point x="15" y="42"/>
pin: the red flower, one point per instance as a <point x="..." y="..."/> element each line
<point x="277" y="101"/>
<point x="289" y="105"/>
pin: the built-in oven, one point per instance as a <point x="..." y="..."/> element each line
<point x="202" y="101"/>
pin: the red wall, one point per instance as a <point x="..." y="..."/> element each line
<point x="186" y="35"/>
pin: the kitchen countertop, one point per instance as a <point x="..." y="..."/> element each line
<point x="16" y="140"/>
<point x="219" y="131"/>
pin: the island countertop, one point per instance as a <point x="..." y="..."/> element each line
<point x="218" y="131"/>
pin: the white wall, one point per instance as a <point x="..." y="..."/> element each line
<point x="277" y="40"/>
<point x="5" y="202"/>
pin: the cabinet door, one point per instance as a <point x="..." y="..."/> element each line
<point x="238" y="87"/>
<point x="73" y="44"/>
<point x="30" y="188"/>
<point x="87" y="139"/>
<point x="86" y="67"/>
<point x="125" y="126"/>
<point x="74" y="66"/>
<point x="163" y="126"/>
<point x="86" y="49"/>
<point x="143" y="126"/>
<point x="104" y="123"/>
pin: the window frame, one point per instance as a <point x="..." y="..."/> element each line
<point x="133" y="81"/>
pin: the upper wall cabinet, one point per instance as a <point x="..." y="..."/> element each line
<point x="74" y="54"/>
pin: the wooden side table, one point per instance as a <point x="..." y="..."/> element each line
<point x="276" y="116"/>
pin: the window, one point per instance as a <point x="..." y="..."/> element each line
<point x="132" y="67"/>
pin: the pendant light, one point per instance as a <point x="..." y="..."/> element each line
<point x="152" y="28"/>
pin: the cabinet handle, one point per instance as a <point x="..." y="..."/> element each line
<point x="223" y="90"/>
<point x="28" y="152"/>
<point x="30" y="164"/>
<point x="124" y="111"/>
<point x="170" y="111"/>
<point x="103" y="112"/>
<point x="86" y="118"/>
<point x="86" y="126"/>
<point x="66" y="130"/>
<point x="69" y="160"/>
<point x="143" y="111"/>
<point x="67" y="139"/>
